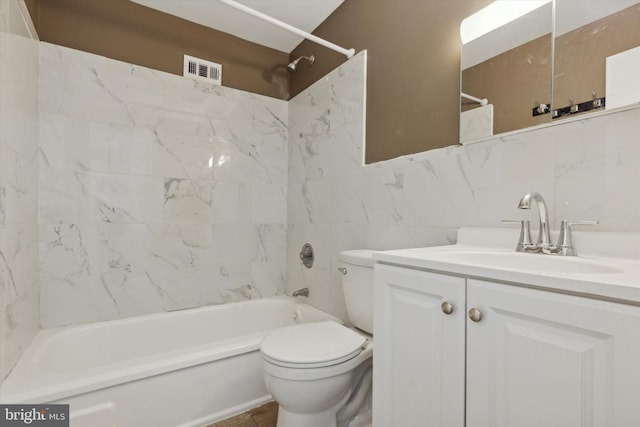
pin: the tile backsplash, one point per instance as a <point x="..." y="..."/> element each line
<point x="586" y="169"/>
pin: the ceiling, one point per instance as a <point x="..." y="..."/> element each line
<point x="303" y="14"/>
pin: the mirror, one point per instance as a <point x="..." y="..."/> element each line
<point x="586" y="33"/>
<point x="511" y="65"/>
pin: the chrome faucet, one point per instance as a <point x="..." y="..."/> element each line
<point x="304" y="292"/>
<point x="565" y="243"/>
<point x="544" y="238"/>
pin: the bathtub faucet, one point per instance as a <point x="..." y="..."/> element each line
<point x="304" y="292"/>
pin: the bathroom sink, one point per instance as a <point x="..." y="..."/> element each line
<point x="529" y="262"/>
<point x="607" y="264"/>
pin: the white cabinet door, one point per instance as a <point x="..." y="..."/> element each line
<point x="418" y="349"/>
<point x="538" y="358"/>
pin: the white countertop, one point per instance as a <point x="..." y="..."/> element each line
<point x="615" y="258"/>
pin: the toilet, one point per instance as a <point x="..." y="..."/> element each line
<point x="320" y="373"/>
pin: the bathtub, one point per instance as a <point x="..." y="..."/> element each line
<point x="182" y="368"/>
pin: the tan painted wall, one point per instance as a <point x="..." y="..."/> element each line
<point x="129" y="32"/>
<point x="414" y="57"/>
<point x="413" y="74"/>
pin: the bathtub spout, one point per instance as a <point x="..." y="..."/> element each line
<point x="304" y="292"/>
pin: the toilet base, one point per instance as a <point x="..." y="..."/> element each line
<point x="352" y="410"/>
<point x="325" y="418"/>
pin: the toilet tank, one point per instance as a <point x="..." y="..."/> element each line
<point x="357" y="286"/>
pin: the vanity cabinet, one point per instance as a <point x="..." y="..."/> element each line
<point x="531" y="357"/>
<point x="538" y="358"/>
<point x="419" y="350"/>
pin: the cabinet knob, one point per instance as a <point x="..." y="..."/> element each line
<point x="475" y="314"/>
<point x="447" y="307"/>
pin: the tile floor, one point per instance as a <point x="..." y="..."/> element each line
<point x="262" y="416"/>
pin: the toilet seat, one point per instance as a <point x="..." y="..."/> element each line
<point x="312" y="345"/>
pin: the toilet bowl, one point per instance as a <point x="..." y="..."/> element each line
<point x="320" y="373"/>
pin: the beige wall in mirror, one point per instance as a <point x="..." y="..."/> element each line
<point x="580" y="54"/>
<point x="512" y="82"/>
<point x="510" y="66"/>
<point x="516" y="80"/>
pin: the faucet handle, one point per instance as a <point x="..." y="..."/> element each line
<point x="524" y="242"/>
<point x="570" y="223"/>
<point x="565" y="242"/>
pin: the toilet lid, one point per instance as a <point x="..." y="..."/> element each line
<point x="312" y="345"/>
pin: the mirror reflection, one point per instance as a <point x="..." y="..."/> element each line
<point x="509" y="65"/>
<point x="586" y="34"/>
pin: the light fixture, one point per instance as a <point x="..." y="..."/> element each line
<point x="496" y="15"/>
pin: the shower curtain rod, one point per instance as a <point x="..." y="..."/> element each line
<point x="347" y="52"/>
<point x="483" y="101"/>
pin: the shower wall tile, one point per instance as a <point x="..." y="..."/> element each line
<point x="585" y="169"/>
<point x="19" y="283"/>
<point x="327" y="195"/>
<point x="157" y="192"/>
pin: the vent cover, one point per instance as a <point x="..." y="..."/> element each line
<point x="199" y="69"/>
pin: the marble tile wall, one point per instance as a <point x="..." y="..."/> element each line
<point x="157" y="192"/>
<point x="19" y="287"/>
<point x="327" y="191"/>
<point x="586" y="169"/>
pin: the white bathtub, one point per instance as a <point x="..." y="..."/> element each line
<point x="183" y="368"/>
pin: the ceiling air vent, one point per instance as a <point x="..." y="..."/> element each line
<point x="199" y="69"/>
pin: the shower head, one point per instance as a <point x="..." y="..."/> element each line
<point x="293" y="66"/>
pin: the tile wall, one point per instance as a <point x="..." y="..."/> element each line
<point x="19" y="286"/>
<point x="585" y="169"/>
<point x="157" y="192"/>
